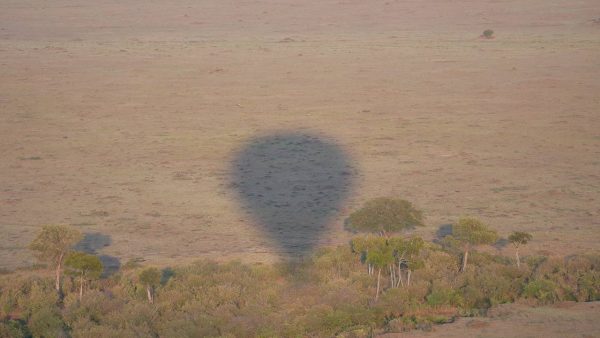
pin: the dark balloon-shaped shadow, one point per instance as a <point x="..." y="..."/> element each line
<point x="292" y="184"/>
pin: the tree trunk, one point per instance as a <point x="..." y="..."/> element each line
<point x="57" y="272"/>
<point x="408" y="278"/>
<point x="150" y="295"/>
<point x="392" y="275"/>
<point x="518" y="259"/>
<point x="465" y="258"/>
<point x="81" y="287"/>
<point x="378" y="282"/>
<point x="400" y="281"/>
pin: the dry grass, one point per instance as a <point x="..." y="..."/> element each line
<point x="125" y="120"/>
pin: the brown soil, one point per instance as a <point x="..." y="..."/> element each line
<point x="580" y="320"/>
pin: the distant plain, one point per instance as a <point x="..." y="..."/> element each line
<point x="123" y="118"/>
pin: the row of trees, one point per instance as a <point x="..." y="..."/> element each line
<point x="382" y="217"/>
<point x="386" y="216"/>
<point x="328" y="294"/>
<point x="54" y="246"/>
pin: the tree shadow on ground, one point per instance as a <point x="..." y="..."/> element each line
<point x="501" y="243"/>
<point x="443" y="231"/>
<point x="93" y="243"/>
<point x="166" y="274"/>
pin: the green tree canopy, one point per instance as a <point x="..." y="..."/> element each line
<point x="150" y="277"/>
<point x="385" y="215"/>
<point x="472" y="231"/>
<point x="83" y="264"/>
<point x="518" y="238"/>
<point x="52" y="244"/>
<point x="54" y="241"/>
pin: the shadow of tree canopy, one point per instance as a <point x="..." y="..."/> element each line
<point x="443" y="231"/>
<point x="92" y="243"/>
<point x="292" y="184"/>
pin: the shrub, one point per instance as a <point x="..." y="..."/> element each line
<point x="488" y="34"/>
<point x="14" y="329"/>
<point x="441" y="295"/>
<point x="46" y="322"/>
<point x="544" y="291"/>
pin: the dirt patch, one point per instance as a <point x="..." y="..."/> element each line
<point x="579" y="320"/>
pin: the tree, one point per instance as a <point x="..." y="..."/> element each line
<point x="379" y="257"/>
<point x="150" y="277"/>
<point x="406" y="253"/>
<point x="517" y="239"/>
<point x="385" y="215"/>
<point x="361" y="246"/>
<point x="52" y="245"/>
<point x="84" y="266"/>
<point x="470" y="231"/>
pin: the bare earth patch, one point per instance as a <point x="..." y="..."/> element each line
<point x="581" y="320"/>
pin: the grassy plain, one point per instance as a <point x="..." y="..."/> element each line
<point x="123" y="117"/>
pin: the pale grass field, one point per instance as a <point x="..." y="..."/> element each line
<point x="123" y="117"/>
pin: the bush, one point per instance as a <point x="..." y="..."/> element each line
<point x="441" y="295"/>
<point x="46" y="322"/>
<point x="488" y="34"/>
<point x="14" y="329"/>
<point x="327" y="295"/>
<point x="544" y="291"/>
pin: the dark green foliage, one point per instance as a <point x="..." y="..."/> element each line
<point x="14" y="329"/>
<point x="385" y="215"/>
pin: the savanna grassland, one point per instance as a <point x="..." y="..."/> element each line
<point x="144" y="125"/>
<point x="122" y="118"/>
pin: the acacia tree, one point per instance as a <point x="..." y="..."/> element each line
<point x="517" y="239"/>
<point x="361" y="246"/>
<point x="406" y="254"/>
<point x="380" y="256"/>
<point x="52" y="244"/>
<point x="84" y="266"/>
<point x="471" y="231"/>
<point x="385" y="215"/>
<point x="150" y="277"/>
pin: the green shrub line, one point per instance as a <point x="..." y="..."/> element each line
<point x="379" y="282"/>
<point x="329" y="294"/>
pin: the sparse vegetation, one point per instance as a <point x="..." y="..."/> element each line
<point x="488" y="34"/>
<point x="327" y="295"/>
